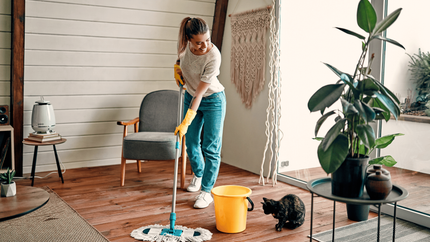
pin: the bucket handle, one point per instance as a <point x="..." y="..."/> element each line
<point x="252" y="204"/>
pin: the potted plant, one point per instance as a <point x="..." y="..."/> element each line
<point x="419" y="65"/>
<point x="343" y="151"/>
<point x="8" y="186"/>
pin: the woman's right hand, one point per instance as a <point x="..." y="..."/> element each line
<point x="178" y="75"/>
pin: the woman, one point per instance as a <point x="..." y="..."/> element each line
<point x="198" y="66"/>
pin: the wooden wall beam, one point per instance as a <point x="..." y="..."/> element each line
<point x="219" y="22"/>
<point x="17" y="80"/>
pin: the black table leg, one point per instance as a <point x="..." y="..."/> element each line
<point x="58" y="164"/>
<point x="394" y="222"/>
<point x="334" y="219"/>
<point x="312" y="214"/>
<point x="379" y="221"/>
<point x="33" y="168"/>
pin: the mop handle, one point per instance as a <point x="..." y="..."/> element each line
<point x="175" y="181"/>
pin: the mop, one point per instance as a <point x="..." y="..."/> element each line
<point x="171" y="232"/>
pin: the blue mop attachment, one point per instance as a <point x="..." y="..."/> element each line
<point x="172" y="230"/>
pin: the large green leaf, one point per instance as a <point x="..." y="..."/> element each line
<point x="385" y="90"/>
<point x="366" y="16"/>
<point x="325" y="97"/>
<point x="332" y="158"/>
<point x="322" y="120"/>
<point x="363" y="150"/>
<point x="351" y="33"/>
<point x="333" y="133"/>
<point x="385" y="141"/>
<point x="387" y="160"/>
<point x="369" y="86"/>
<point x="348" y="108"/>
<point x="388" y="40"/>
<point x="365" y="111"/>
<point x="387" y="22"/>
<point x="337" y="71"/>
<point x="378" y="105"/>
<point x="366" y="134"/>
<point x="388" y="103"/>
<point x="370" y="113"/>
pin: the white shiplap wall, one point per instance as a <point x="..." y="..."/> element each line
<point x="5" y="48"/>
<point x="95" y="60"/>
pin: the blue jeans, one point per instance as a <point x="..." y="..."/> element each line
<point x="209" y="119"/>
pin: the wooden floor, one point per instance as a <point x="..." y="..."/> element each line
<point x="146" y="199"/>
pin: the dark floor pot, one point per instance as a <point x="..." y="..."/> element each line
<point x="357" y="212"/>
<point x="348" y="181"/>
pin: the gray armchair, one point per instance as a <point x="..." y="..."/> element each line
<point x="153" y="137"/>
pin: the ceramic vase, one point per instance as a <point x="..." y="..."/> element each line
<point x="376" y="168"/>
<point x="378" y="186"/>
<point x="8" y="190"/>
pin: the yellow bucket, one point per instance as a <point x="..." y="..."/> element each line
<point x="231" y="207"/>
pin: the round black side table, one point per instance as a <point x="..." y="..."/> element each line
<point x="322" y="187"/>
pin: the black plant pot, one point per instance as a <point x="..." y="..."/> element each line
<point x="348" y="181"/>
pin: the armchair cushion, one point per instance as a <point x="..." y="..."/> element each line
<point x="150" y="146"/>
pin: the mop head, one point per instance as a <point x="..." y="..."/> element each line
<point x="153" y="233"/>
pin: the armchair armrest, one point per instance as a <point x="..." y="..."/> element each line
<point x="126" y="123"/>
<point x="134" y="122"/>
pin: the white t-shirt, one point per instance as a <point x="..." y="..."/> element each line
<point x="205" y="68"/>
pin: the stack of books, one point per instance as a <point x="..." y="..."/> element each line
<point x="44" y="137"/>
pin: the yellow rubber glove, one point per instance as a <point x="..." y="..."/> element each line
<point x="183" y="127"/>
<point x="178" y="75"/>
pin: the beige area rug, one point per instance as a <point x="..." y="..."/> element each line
<point x="55" y="221"/>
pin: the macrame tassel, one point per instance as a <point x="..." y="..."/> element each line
<point x="248" y="52"/>
<point x="273" y="111"/>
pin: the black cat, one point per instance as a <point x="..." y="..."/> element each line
<point x="290" y="208"/>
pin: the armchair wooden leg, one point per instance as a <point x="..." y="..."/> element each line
<point x="139" y="166"/>
<point x="123" y="161"/>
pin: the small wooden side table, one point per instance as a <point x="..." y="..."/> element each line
<point x="36" y="145"/>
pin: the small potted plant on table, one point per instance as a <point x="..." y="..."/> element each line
<point x="343" y="151"/>
<point x="8" y="186"/>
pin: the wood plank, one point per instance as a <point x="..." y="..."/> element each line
<point x="5" y="23"/>
<point x="81" y="142"/>
<point x="89" y="115"/>
<point x="106" y="14"/>
<point x="4" y="88"/>
<point x="5" y="39"/>
<point x="5" y="7"/>
<point x="203" y="8"/>
<point x="5" y="56"/>
<point x="79" y="129"/>
<point x="70" y="156"/>
<point x="39" y="88"/>
<point x="5" y="73"/>
<point x="96" y="44"/>
<point x="5" y="100"/>
<point x="86" y="102"/>
<point x="146" y="199"/>
<point x="64" y="73"/>
<point x="99" y="29"/>
<point x="93" y="59"/>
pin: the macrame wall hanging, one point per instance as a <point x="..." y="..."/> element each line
<point x="273" y="112"/>
<point x="248" y="52"/>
